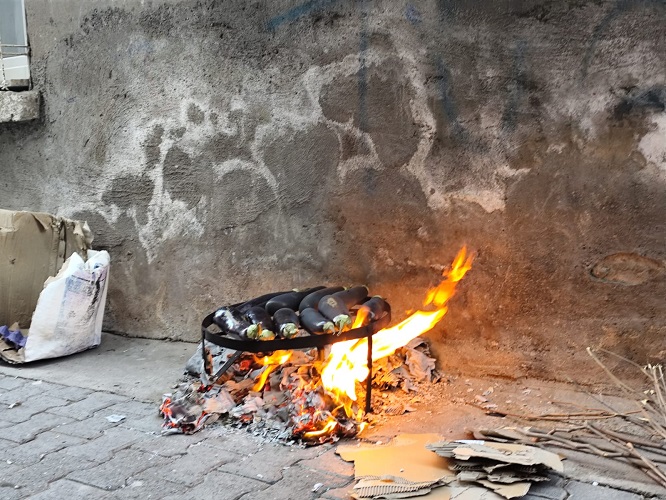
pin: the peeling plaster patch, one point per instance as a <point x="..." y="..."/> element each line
<point x="653" y="145"/>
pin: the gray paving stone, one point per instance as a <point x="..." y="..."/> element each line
<point x="267" y="464"/>
<point x="343" y="493"/>
<point x="66" y="489"/>
<point x="69" y="393"/>
<point x="152" y="489"/>
<point x="169" y="445"/>
<point x="298" y="483"/>
<point x="191" y="468"/>
<point x="138" y="408"/>
<point x="24" y="391"/>
<point x="26" y="431"/>
<point x="236" y="441"/>
<point x="33" y="451"/>
<point x="149" y="423"/>
<point x="88" y="406"/>
<point x="89" y="428"/>
<point x="8" y="383"/>
<point x="9" y="492"/>
<point x="329" y="462"/>
<point x="217" y="485"/>
<point x="102" y="448"/>
<point x="585" y="491"/>
<point x="114" y="474"/>
<point x="31" y="406"/>
<point x="551" y="490"/>
<point x="36" y="477"/>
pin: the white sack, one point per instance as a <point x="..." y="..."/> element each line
<point x="70" y="309"/>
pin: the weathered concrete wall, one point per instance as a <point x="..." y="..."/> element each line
<point x="224" y="149"/>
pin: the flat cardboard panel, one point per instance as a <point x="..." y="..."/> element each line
<point x="33" y="247"/>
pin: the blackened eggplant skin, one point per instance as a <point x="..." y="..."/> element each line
<point x="312" y="300"/>
<point x="375" y="307"/>
<point x="258" y="316"/>
<point x="286" y="322"/>
<point x="231" y="321"/>
<point x="335" y="310"/>
<point x="315" y="323"/>
<point x="352" y="296"/>
<point x="290" y="300"/>
<point x="258" y="301"/>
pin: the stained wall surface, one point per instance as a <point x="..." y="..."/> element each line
<point x="220" y="150"/>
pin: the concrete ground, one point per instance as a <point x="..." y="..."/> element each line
<point x="58" y="437"/>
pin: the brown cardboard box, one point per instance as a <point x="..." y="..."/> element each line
<point x="33" y="247"/>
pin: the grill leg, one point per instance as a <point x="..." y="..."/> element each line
<point x="368" y="382"/>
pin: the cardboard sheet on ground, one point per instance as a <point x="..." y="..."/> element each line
<point x="406" y="457"/>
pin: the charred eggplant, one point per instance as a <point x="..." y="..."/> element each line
<point x="286" y="322"/>
<point x="352" y="296"/>
<point x="231" y="321"/>
<point x="258" y="301"/>
<point x="261" y="321"/>
<point x="335" y="310"/>
<point x="374" y="308"/>
<point x="312" y="300"/>
<point x="289" y="300"/>
<point x="315" y="323"/>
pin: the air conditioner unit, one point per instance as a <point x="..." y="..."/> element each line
<point x="14" y="56"/>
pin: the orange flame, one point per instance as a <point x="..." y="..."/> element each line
<point x="270" y="363"/>
<point x="347" y="362"/>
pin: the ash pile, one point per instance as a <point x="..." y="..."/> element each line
<point x="280" y="394"/>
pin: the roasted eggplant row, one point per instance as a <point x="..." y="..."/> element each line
<point x="262" y="324"/>
<point x="312" y="300"/>
<point x="315" y="323"/>
<point x="335" y="310"/>
<point x="258" y="301"/>
<point x="286" y="322"/>
<point x="231" y="321"/>
<point x="289" y="300"/>
<point x="352" y="296"/>
<point x="374" y="308"/>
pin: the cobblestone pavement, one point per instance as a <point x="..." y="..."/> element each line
<point x="57" y="442"/>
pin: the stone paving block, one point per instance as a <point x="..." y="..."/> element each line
<point x="343" y="493"/>
<point x="66" y="489"/>
<point x="31" y="406"/>
<point x="298" y="483"/>
<point x="69" y="393"/>
<point x="152" y="489"/>
<point x="44" y="443"/>
<point x="24" y="391"/>
<point x="89" y="428"/>
<point x="586" y="491"/>
<point x="8" y="383"/>
<point x="150" y="423"/>
<point x="88" y="406"/>
<point x="9" y="492"/>
<point x="237" y="441"/>
<point x="329" y="462"/>
<point x="169" y="445"/>
<point x="551" y="490"/>
<point x="36" y="477"/>
<point x="268" y="464"/>
<point x="114" y="474"/>
<point x="52" y="467"/>
<point x="217" y="485"/>
<point x="102" y="448"/>
<point x="138" y="408"/>
<point x="191" y="468"/>
<point x="26" y="431"/>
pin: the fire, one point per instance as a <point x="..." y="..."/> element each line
<point x="270" y="363"/>
<point x="347" y="362"/>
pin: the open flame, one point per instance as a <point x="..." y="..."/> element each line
<point x="347" y="362"/>
<point x="323" y="398"/>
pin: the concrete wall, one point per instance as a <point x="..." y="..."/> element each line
<point x="220" y="150"/>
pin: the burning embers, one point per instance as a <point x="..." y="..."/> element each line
<point x="309" y="394"/>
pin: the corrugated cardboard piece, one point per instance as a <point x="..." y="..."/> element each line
<point x="33" y="247"/>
